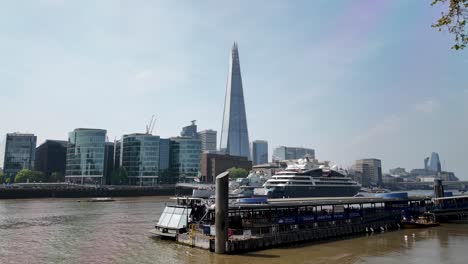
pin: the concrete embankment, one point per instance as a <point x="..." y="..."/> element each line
<point x="86" y="191"/>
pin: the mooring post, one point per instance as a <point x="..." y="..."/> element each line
<point x="221" y="212"/>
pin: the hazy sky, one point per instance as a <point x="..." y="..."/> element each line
<point x="352" y="79"/>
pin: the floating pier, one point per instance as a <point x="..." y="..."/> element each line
<point x="278" y="222"/>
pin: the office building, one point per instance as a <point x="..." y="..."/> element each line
<point x="117" y="154"/>
<point x="85" y="156"/>
<point x="234" y="132"/>
<point x="208" y="140"/>
<point x="434" y="164"/>
<point x="164" y="154"/>
<point x="361" y="173"/>
<point x="190" y="130"/>
<point x="140" y="158"/>
<point x="51" y="157"/>
<point x="185" y="158"/>
<point x="19" y="153"/>
<point x="109" y="161"/>
<point x="259" y="152"/>
<point x="289" y="153"/>
<point x="371" y="170"/>
<point x="213" y="164"/>
<point x="165" y="175"/>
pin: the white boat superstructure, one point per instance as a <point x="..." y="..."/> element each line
<point x="305" y="178"/>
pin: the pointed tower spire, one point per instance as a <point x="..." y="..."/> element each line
<point x="234" y="133"/>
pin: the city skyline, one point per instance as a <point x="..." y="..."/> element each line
<point x="334" y="80"/>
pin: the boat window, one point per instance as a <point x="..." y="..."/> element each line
<point x="175" y="219"/>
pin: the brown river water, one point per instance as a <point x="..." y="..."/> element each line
<point x="67" y="231"/>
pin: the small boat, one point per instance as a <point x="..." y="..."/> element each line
<point x="423" y="221"/>
<point x="100" y="200"/>
<point x="175" y="219"/>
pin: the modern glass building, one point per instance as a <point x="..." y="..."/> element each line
<point x="85" y="156"/>
<point x="434" y="164"/>
<point x="234" y="133"/>
<point x="259" y="152"/>
<point x="19" y="153"/>
<point x="51" y="157"/>
<point x="190" y="130"/>
<point x="164" y="153"/>
<point x="109" y="160"/>
<point x="185" y="158"/>
<point x="140" y="158"/>
<point x="289" y="153"/>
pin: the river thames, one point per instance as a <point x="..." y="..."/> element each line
<point x="67" y="231"/>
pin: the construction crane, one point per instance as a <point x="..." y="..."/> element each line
<point x="150" y="126"/>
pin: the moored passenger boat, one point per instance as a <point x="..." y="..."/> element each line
<point x="304" y="178"/>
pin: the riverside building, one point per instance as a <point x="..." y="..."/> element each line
<point x="85" y="156"/>
<point x="185" y="158"/>
<point x="19" y="153"/>
<point x="140" y="158"/>
<point x="51" y="157"/>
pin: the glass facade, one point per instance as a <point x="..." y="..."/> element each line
<point x="19" y="153"/>
<point x="140" y="158"/>
<point x="85" y="156"/>
<point x="51" y="157"/>
<point x="164" y="154"/>
<point x="185" y="157"/>
<point x="434" y="164"/>
<point x="189" y="131"/>
<point x="234" y="133"/>
<point x="259" y="152"/>
<point x="289" y="153"/>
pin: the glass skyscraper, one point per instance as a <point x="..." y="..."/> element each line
<point x="85" y="156"/>
<point x="140" y="158"/>
<point x="434" y="164"/>
<point x="19" y="153"/>
<point x="234" y="133"/>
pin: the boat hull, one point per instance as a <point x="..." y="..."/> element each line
<point x="312" y="191"/>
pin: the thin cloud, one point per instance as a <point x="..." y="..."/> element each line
<point x="428" y="106"/>
<point x="388" y="126"/>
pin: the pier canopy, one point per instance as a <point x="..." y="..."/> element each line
<point x="174" y="217"/>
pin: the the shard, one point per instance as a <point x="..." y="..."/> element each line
<point x="234" y="133"/>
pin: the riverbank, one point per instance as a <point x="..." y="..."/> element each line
<point x="80" y="191"/>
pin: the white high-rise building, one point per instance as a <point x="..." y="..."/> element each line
<point x="208" y="140"/>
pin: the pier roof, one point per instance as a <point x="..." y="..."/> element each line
<point x="300" y="202"/>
